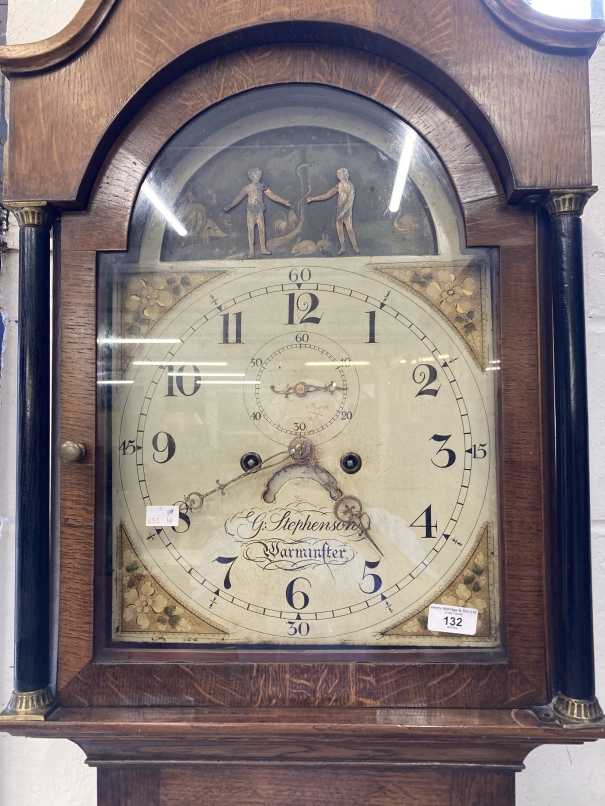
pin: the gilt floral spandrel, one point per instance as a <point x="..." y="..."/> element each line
<point x="145" y="607"/>
<point x="147" y="295"/>
<point x="475" y="587"/>
<point x="457" y="291"/>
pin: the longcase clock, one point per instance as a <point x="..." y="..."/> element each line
<point x="317" y="314"/>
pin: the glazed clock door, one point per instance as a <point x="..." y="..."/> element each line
<point x="298" y="376"/>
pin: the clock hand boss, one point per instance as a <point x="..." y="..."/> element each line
<point x="303" y="466"/>
<point x="301" y="389"/>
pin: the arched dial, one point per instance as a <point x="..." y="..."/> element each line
<point x="298" y="550"/>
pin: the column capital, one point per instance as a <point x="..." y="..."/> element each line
<point x="568" y="201"/>
<point x="33" y="214"/>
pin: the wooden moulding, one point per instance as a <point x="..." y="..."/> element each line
<point x="295" y="757"/>
<point x="77" y="34"/>
<point x="91" y="16"/>
<point x="190" y="678"/>
<point x="529" y="102"/>
<point x="542" y="29"/>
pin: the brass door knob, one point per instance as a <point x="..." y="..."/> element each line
<point x="70" y="452"/>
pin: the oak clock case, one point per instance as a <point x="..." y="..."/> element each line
<point x="298" y="353"/>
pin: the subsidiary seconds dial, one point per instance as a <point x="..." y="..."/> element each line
<point x="301" y="383"/>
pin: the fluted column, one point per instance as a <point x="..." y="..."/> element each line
<point x="32" y="696"/>
<point x="575" y="702"/>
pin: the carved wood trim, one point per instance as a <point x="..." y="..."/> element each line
<point x="77" y="34"/>
<point x="542" y="29"/>
<point x="37" y="56"/>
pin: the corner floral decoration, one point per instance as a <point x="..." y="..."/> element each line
<point x="450" y="295"/>
<point x="468" y="591"/>
<point x="146" y="301"/>
<point x="456" y="292"/>
<point x="146" y="608"/>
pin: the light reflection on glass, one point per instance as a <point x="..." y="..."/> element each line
<point x="163" y="209"/>
<point x="337" y="363"/>
<point x="403" y="169"/>
<point x="226" y="382"/>
<point x="182" y="363"/>
<point x="104" y="383"/>
<point x="138" y="341"/>
<point x="207" y="374"/>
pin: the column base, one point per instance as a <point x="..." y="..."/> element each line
<point x="572" y="713"/>
<point x="29" y="706"/>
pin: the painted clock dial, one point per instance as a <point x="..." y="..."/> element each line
<point x="323" y="420"/>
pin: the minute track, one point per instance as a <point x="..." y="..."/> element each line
<point x="209" y="581"/>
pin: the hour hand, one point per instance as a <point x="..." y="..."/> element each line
<point x="302" y="389"/>
<point x="349" y="509"/>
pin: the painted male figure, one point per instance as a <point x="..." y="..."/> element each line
<point x="344" y="207"/>
<point x="255" y="208"/>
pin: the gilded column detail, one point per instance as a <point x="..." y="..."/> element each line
<point x="575" y="703"/>
<point x="33" y="696"/>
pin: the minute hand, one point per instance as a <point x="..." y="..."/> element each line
<point x="301" y="389"/>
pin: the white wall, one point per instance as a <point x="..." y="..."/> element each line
<point x="37" y="772"/>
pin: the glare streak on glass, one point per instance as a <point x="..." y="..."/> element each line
<point x="337" y="363"/>
<point x="256" y="383"/>
<point x="403" y="169"/>
<point x="163" y="209"/>
<point x="112" y="382"/>
<point x="208" y="374"/>
<point x="138" y="341"/>
<point x="182" y="363"/>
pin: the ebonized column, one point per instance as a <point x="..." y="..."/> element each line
<point x="575" y="701"/>
<point x="33" y="697"/>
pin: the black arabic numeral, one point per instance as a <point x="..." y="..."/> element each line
<point x="291" y="593"/>
<point x="425" y="519"/>
<point x="478" y="451"/>
<point x="427" y="376"/>
<point x="169" y="448"/>
<point x="128" y="448"/>
<point x="304" y="307"/>
<point x="298" y="628"/>
<point x="238" y="328"/>
<point x="451" y="456"/>
<point x="294" y="276"/>
<point x="376" y="580"/>
<point x="372" y="327"/>
<point x="226" y="561"/>
<point x="180" y="381"/>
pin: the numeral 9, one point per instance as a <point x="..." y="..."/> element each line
<point x="169" y="448"/>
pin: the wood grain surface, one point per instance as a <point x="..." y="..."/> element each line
<point x="240" y="678"/>
<point x="530" y="104"/>
<point x="77" y="34"/>
<point x="269" y="756"/>
<point x="544" y="29"/>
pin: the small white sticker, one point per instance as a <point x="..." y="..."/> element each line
<point x="162" y="516"/>
<point x="461" y="620"/>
